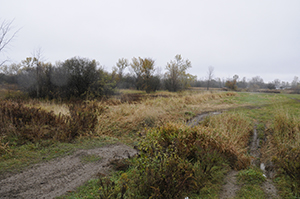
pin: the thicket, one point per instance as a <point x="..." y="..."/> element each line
<point x="74" y="78"/>
<point x="20" y="124"/>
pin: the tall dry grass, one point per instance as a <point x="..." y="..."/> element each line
<point x="232" y="131"/>
<point x="57" y="108"/>
<point x="283" y="146"/>
<point x="126" y="118"/>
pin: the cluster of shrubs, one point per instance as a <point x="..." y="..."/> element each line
<point x="174" y="161"/>
<point x="20" y="124"/>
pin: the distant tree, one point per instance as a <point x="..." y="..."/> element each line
<point x="277" y="83"/>
<point x="242" y="83"/>
<point x="74" y="78"/>
<point x="271" y="85"/>
<point x="5" y="36"/>
<point x="121" y="65"/>
<point x="144" y="70"/>
<point x="36" y="67"/>
<point x="219" y="82"/>
<point x="34" y="77"/>
<point x="210" y="74"/>
<point x="256" y="83"/>
<point x="82" y="73"/>
<point x="176" y="77"/>
<point x="296" y="84"/>
<point x="232" y="84"/>
<point x="11" y="69"/>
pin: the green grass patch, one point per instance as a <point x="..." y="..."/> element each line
<point x="251" y="180"/>
<point x="251" y="192"/>
<point x="287" y="187"/>
<point x="251" y="176"/>
<point x="89" y="190"/>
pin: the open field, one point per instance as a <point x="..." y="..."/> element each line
<point x="175" y="160"/>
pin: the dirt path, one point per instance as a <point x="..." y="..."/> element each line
<point x="56" y="177"/>
<point x="230" y="187"/>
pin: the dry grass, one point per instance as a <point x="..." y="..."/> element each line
<point x="283" y="134"/>
<point x="126" y="118"/>
<point x="56" y="108"/>
<point x="282" y="149"/>
<point x="232" y="131"/>
<point x="123" y="118"/>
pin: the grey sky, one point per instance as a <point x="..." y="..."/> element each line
<point x="247" y="38"/>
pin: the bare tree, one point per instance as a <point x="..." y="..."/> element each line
<point x="210" y="74"/>
<point x="5" y="36"/>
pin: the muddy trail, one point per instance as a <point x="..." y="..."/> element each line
<point x="231" y="186"/>
<point x="57" y="177"/>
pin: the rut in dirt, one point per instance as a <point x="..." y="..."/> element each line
<point x="268" y="186"/>
<point x="231" y="186"/>
<point x="56" y="177"/>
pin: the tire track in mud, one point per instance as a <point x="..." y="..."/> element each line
<point x="267" y="186"/>
<point x="231" y="186"/>
<point x="56" y="177"/>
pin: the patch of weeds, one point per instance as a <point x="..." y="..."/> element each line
<point x="149" y="121"/>
<point x="251" y="191"/>
<point x="121" y="164"/>
<point x="260" y="131"/>
<point x="251" y="179"/>
<point x="104" y="187"/>
<point x="251" y="176"/>
<point x="89" y="190"/>
<point x="287" y="187"/>
<point x="90" y="158"/>
<point x="189" y="113"/>
<point x="211" y="190"/>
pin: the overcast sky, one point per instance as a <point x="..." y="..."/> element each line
<point x="247" y="38"/>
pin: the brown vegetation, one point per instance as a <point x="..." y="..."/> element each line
<point x="20" y="124"/>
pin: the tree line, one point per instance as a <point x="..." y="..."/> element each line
<point x="82" y="77"/>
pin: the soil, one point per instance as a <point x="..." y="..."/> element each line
<point x="56" y="177"/>
<point x="230" y="187"/>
